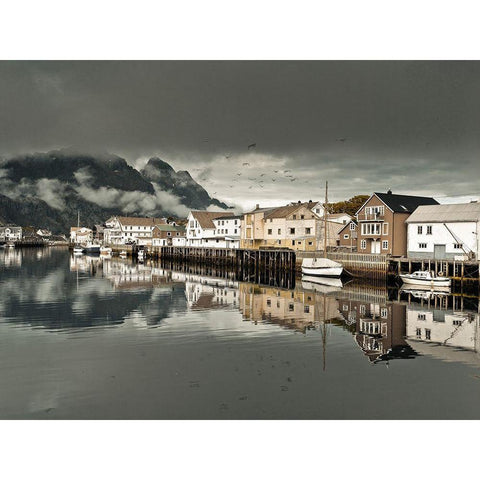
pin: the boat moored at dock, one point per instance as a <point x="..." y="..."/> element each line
<point x="425" y="278"/>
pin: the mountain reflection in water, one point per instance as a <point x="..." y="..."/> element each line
<point x="207" y="315"/>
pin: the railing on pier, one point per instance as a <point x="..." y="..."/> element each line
<point x="361" y="264"/>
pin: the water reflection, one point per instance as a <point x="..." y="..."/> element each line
<point x="95" y="291"/>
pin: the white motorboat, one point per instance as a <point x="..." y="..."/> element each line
<point x="321" y="267"/>
<point x="425" y="293"/>
<point x="426" y="279"/>
<point x="78" y="249"/>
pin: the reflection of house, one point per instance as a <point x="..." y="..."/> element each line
<point x="80" y="234"/>
<point x="380" y="328"/>
<point x="381" y="222"/>
<point x="295" y="309"/>
<point x="168" y="235"/>
<point x="10" y="233"/>
<point x="202" y="295"/>
<point x="444" y="231"/>
<point x="448" y="327"/>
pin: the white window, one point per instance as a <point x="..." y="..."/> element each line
<point x="385" y="245"/>
<point x="422" y="245"/>
<point x="363" y="309"/>
<point x="346" y="236"/>
<point x="429" y="229"/>
<point x="363" y="244"/>
<point x="419" y="230"/>
<point x="352" y="226"/>
<point x="384" y="312"/>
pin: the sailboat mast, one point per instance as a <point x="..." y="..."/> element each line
<point x="325" y="221"/>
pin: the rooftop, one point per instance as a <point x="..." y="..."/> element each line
<point x="404" y="203"/>
<point x="205" y="218"/>
<point x="458" y="212"/>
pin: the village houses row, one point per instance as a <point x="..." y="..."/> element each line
<point x="387" y="224"/>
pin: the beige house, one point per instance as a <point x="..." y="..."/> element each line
<point x="81" y="234"/>
<point x="293" y="226"/>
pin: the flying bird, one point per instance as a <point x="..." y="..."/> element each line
<point x="262" y="175"/>
<point x="286" y="171"/>
<point x="293" y="179"/>
<point x="344" y="139"/>
<point x="275" y="171"/>
<point x="238" y="174"/>
<point x="252" y="145"/>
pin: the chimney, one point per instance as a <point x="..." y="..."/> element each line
<point x="257" y="206"/>
<point x="389" y="192"/>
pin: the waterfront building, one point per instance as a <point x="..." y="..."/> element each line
<point x="81" y="234"/>
<point x="130" y="230"/>
<point x="444" y="231"/>
<point x="10" y="233"/>
<point x="168" y="235"/>
<point x="382" y="227"/>
<point x="294" y="226"/>
<point x="205" y="229"/>
<point x="347" y="236"/>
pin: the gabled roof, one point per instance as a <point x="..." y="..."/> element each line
<point x="285" y="211"/>
<point x="400" y="203"/>
<point x="205" y="218"/>
<point x="141" y="221"/>
<point x="167" y="227"/>
<point x="459" y="212"/>
<point x="347" y="225"/>
<point x="404" y="203"/>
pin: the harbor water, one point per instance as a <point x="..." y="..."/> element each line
<point x="108" y="338"/>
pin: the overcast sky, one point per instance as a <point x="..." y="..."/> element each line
<point x="363" y="126"/>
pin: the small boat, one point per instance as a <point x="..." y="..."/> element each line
<point x="91" y="247"/>
<point x="78" y="249"/>
<point x="105" y="250"/>
<point x="123" y="254"/>
<point x="10" y="245"/>
<point x="425" y="278"/>
<point x="321" y="267"/>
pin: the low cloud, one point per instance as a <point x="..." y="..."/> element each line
<point x="129" y="202"/>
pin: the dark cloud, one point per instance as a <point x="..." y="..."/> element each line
<point x="364" y="125"/>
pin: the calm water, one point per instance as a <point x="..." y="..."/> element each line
<point x="83" y="337"/>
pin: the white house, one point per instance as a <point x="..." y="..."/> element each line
<point x="122" y="230"/>
<point x="342" y="218"/>
<point x="204" y="229"/>
<point x="10" y="233"/>
<point x="444" y="231"/>
<point x="81" y="234"/>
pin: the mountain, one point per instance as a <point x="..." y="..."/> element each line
<point x="180" y="183"/>
<point x="48" y="189"/>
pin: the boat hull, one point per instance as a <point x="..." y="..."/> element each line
<point x="322" y="271"/>
<point x="444" y="282"/>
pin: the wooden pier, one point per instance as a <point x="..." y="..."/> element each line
<point x="362" y="264"/>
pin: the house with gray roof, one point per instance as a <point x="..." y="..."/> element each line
<point x="444" y="231"/>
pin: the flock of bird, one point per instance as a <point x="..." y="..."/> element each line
<point x="261" y="180"/>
